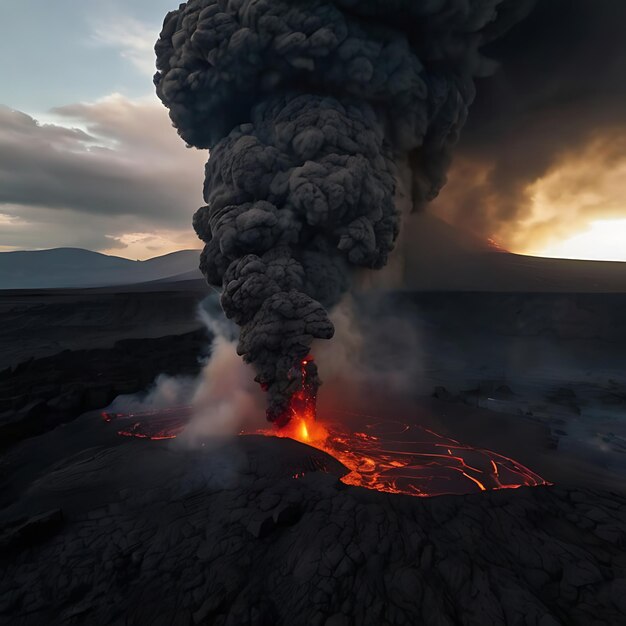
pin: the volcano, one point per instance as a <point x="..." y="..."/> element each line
<point x="388" y="456"/>
<point x="98" y="528"/>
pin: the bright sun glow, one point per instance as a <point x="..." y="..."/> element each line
<point x="604" y="241"/>
<point x="576" y="210"/>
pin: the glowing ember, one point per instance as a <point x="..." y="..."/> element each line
<point x="401" y="458"/>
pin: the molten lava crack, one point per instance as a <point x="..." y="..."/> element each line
<point x="393" y="457"/>
<point x="388" y="456"/>
<point x="406" y="459"/>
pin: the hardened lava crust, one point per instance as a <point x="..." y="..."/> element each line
<point x="260" y="530"/>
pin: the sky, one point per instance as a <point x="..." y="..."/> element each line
<point x="88" y="157"/>
<point x="541" y="165"/>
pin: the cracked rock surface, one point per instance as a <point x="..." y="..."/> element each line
<point x="152" y="533"/>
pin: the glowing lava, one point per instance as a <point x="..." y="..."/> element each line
<point x="301" y="420"/>
<point x="303" y="376"/>
<point x="401" y="458"/>
<point x="383" y="455"/>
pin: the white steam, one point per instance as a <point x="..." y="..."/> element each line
<point x="375" y="361"/>
<point x="224" y="397"/>
<point x="226" y="400"/>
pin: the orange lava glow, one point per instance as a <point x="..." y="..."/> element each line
<point x="387" y="456"/>
<point x="406" y="459"/>
<point x="400" y="458"/>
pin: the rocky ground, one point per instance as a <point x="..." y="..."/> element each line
<point x="41" y="323"/>
<point x="136" y="532"/>
<point x="40" y="394"/>
<point x="98" y="529"/>
<point x="68" y="351"/>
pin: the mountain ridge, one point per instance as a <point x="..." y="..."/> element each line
<point x="431" y="255"/>
<point x="79" y="268"/>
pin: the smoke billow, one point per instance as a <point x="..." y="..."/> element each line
<point x="375" y="364"/>
<point x="223" y="400"/>
<point x="553" y="124"/>
<point x="310" y="109"/>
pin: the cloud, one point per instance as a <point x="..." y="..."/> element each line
<point x="106" y="169"/>
<point x="10" y="220"/>
<point x="551" y="124"/>
<point x="542" y="155"/>
<point x="134" y="39"/>
<point x="584" y="185"/>
<point x="156" y="243"/>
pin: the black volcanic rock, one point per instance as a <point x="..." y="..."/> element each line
<point x="503" y="392"/>
<point x="153" y="534"/>
<point x="441" y="393"/>
<point x="37" y="324"/>
<point x="566" y="399"/>
<point x="156" y="534"/>
<point x="27" y="532"/>
<point x="40" y="394"/>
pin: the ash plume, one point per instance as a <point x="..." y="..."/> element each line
<point x="529" y="125"/>
<point x="309" y="110"/>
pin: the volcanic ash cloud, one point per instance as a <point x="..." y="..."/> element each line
<point x="308" y="108"/>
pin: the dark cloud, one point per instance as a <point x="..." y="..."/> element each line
<point x="59" y="168"/>
<point x="310" y="110"/>
<point x="124" y="172"/>
<point x="560" y="93"/>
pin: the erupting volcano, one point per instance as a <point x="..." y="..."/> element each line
<point x="388" y="456"/>
<point x="324" y="119"/>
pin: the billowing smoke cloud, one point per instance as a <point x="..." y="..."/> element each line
<point x="559" y="106"/>
<point x="309" y="110"/>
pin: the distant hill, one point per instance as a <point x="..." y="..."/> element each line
<point x="432" y="256"/>
<point x="440" y="257"/>
<point x="74" y="267"/>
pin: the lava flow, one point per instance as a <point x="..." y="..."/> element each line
<point x="386" y="456"/>
<point x="401" y="458"/>
<point x="397" y="457"/>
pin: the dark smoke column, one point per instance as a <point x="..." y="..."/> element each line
<point x="308" y="107"/>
